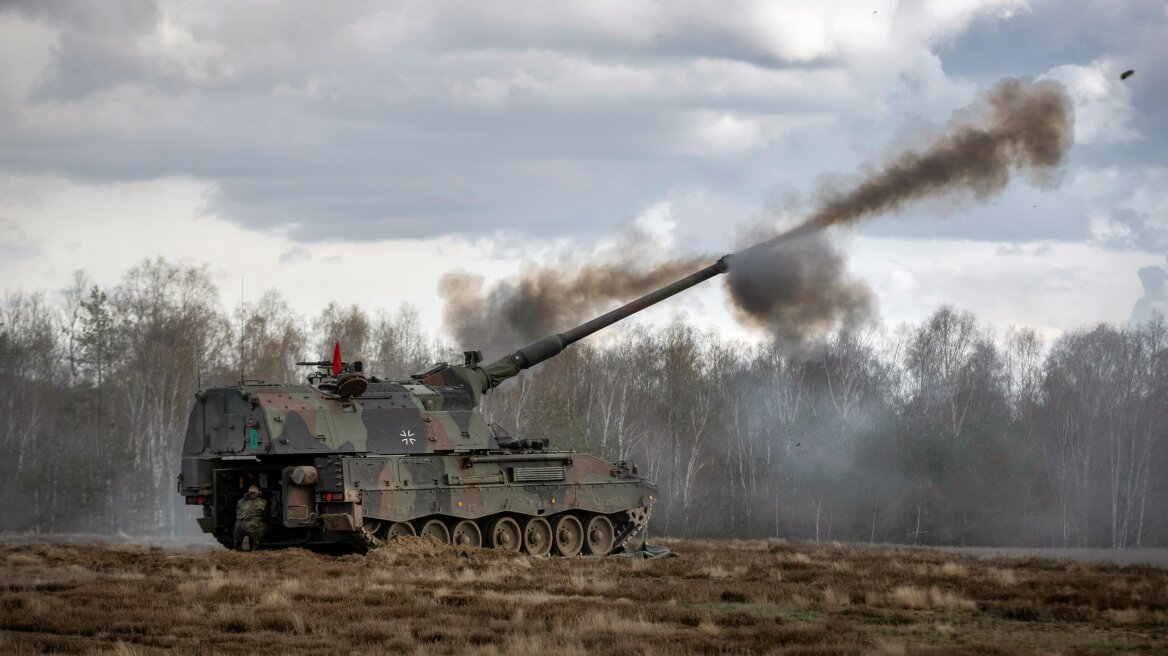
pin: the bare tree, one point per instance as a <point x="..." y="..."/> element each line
<point x="271" y="339"/>
<point x="940" y="432"/>
<point x="400" y="346"/>
<point x="940" y="357"/>
<point x="29" y="356"/>
<point x="166" y="313"/>
<point x="349" y="326"/>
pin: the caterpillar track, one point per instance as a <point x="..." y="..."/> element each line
<point x="566" y="534"/>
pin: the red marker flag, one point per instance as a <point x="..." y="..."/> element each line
<point x="337" y="358"/>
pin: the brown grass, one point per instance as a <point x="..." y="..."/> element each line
<point x="418" y="597"/>
<point x="954" y="570"/>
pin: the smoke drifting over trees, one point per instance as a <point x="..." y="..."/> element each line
<point x="798" y="291"/>
<point x="938" y="433"/>
<point x="515" y="312"/>
<point x="795" y="284"/>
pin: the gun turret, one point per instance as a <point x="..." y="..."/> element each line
<point x="484" y="377"/>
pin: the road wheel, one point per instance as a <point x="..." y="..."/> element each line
<point x="569" y="535"/>
<point x="600" y="535"/>
<point x="399" y="530"/>
<point x="466" y="534"/>
<point x="537" y="536"/>
<point x="504" y="534"/>
<point x="371" y="533"/>
<point x="434" y="528"/>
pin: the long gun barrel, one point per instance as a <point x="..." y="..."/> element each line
<point x="542" y="349"/>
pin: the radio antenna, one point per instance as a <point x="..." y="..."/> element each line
<point x="242" y="321"/>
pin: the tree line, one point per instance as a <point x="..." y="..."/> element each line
<point x="941" y="432"/>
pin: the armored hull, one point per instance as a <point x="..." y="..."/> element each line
<point x="403" y="458"/>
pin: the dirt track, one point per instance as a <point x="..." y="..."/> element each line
<point x="718" y="597"/>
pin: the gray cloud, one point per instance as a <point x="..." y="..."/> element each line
<point x="1051" y="33"/>
<point x="1021" y="249"/>
<point x="295" y="255"/>
<point x="14" y="243"/>
<point x="352" y="121"/>
<point x="1155" y="298"/>
<point x="1133" y="230"/>
<point x="360" y="129"/>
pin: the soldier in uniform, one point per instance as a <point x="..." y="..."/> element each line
<point x="249" y="520"/>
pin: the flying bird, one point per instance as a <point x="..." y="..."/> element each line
<point x="1126" y="74"/>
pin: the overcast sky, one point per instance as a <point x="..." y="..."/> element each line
<point x="355" y="151"/>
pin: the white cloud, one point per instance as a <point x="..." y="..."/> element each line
<point x="1057" y="288"/>
<point x="726" y="133"/>
<point x="657" y="223"/>
<point x="276" y="140"/>
<point x="939" y="20"/>
<point x="15" y="246"/>
<point x="295" y="255"/>
<point x="177" y="52"/>
<point x="1103" y="109"/>
<point x="107" y="229"/>
<point x="26" y="49"/>
<point x="417" y="118"/>
<point x="1127" y="206"/>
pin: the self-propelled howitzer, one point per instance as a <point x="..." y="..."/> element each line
<point x="351" y="459"/>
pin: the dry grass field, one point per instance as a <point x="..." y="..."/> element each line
<point x="420" y="597"/>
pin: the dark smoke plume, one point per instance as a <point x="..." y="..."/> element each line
<point x="545" y="300"/>
<point x="799" y="291"/>
<point x="1018" y="125"/>
<point x="794" y="283"/>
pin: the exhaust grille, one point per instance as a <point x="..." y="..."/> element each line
<point x="474" y="480"/>
<point x="529" y="474"/>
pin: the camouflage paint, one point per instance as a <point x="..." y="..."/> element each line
<point x="400" y="452"/>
